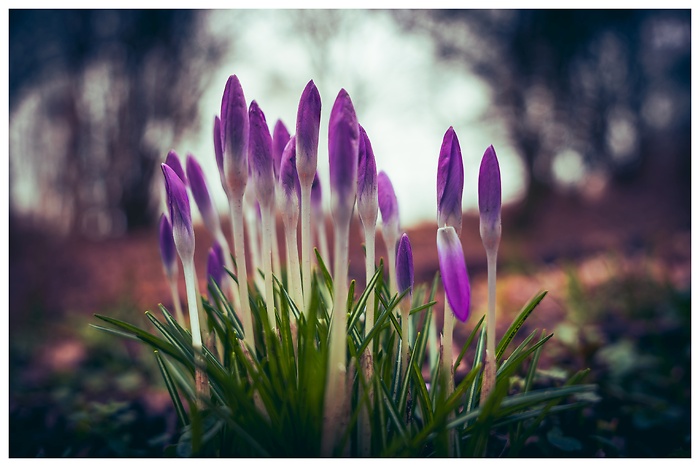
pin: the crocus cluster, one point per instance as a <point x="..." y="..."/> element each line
<point x="269" y="174"/>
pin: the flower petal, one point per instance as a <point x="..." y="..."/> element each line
<point x="367" y="202"/>
<point x="167" y="245"/>
<point x="307" y="128"/>
<point x="453" y="270"/>
<point x="404" y="265"/>
<point x="200" y="193"/>
<point x="234" y="135"/>
<point x="260" y="157"/>
<point x="280" y="138"/>
<point x="450" y="182"/>
<point x="172" y="161"/>
<point x="179" y="205"/>
<point x="490" y="190"/>
<point x="343" y="147"/>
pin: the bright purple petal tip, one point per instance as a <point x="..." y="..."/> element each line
<point x="168" y="254"/>
<point x="172" y="161"/>
<point x="367" y="203"/>
<point x="260" y="157"/>
<point x="490" y="191"/>
<point x="280" y="138"/>
<point x="453" y="270"/>
<point x="234" y="135"/>
<point x="307" y="128"/>
<point x="179" y="205"/>
<point x="450" y="182"/>
<point x="343" y="147"/>
<point x="200" y="193"/>
<point x="404" y="265"/>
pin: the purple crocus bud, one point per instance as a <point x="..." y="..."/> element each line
<point x="167" y="246"/>
<point x="172" y="161"/>
<point x="234" y="136"/>
<point x="289" y="180"/>
<point x="308" y="123"/>
<point x="450" y="182"/>
<point x="200" y="193"/>
<point x="179" y="205"/>
<point x="453" y="270"/>
<point x="317" y="196"/>
<point x="215" y="263"/>
<point x="219" y="150"/>
<point x="388" y="204"/>
<point x="343" y="147"/>
<point x="367" y="203"/>
<point x="490" y="198"/>
<point x="280" y="138"/>
<point x="404" y="265"/>
<point x="260" y="155"/>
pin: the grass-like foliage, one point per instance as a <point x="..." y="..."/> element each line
<point x="269" y="401"/>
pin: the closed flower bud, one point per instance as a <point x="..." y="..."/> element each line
<point x="260" y="157"/>
<point x="317" y="197"/>
<point x="404" y="265"/>
<point x="215" y="263"/>
<point x="280" y="138"/>
<point x="367" y="203"/>
<point x="453" y="270"/>
<point x="200" y="193"/>
<point x="179" y="205"/>
<point x="289" y="181"/>
<point x="490" y="199"/>
<point x="388" y="204"/>
<point x="167" y="246"/>
<point x="307" y="128"/>
<point x="234" y="136"/>
<point x="343" y="147"/>
<point x="219" y="151"/>
<point x="172" y="161"/>
<point x="450" y="182"/>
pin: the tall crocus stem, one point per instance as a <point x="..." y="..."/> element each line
<point x="367" y="208"/>
<point x="267" y="266"/>
<point x="183" y="237"/>
<point x="289" y="205"/>
<point x="307" y="126"/>
<point x="168" y="254"/>
<point x="370" y="237"/>
<point x="236" y="205"/>
<point x="404" y="280"/>
<point x="201" y="383"/>
<point x="490" y="229"/>
<point x="343" y="140"/>
<point x="176" y="301"/>
<point x="389" y="207"/>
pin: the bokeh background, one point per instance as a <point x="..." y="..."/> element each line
<point x="589" y="113"/>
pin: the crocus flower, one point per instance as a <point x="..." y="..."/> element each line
<point x="200" y="193"/>
<point x="172" y="161"/>
<point x="260" y="158"/>
<point x="490" y="198"/>
<point x="215" y="263"/>
<point x="179" y="206"/>
<point x="234" y="136"/>
<point x="367" y="203"/>
<point x="219" y="152"/>
<point x="343" y="146"/>
<point x="307" y="128"/>
<point x="404" y="278"/>
<point x="450" y="182"/>
<point x="389" y="207"/>
<point x="490" y="229"/>
<point x="404" y="265"/>
<point x="288" y="178"/>
<point x="453" y="270"/>
<point x="280" y="138"/>
<point x="167" y="246"/>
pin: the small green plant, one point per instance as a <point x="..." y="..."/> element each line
<point x="317" y="367"/>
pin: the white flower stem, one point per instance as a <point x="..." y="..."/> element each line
<point x="228" y="263"/>
<point x="490" y="359"/>
<point x="306" y="241"/>
<point x="201" y="381"/>
<point x="323" y="242"/>
<point x="293" y="271"/>
<point x="267" y="266"/>
<point x="391" y="253"/>
<point x="334" y="422"/>
<point x="405" y="307"/>
<point x="276" y="264"/>
<point x="447" y="364"/>
<point x="176" y="301"/>
<point x="369" y="273"/>
<point x="236" y="205"/>
<point x="365" y="438"/>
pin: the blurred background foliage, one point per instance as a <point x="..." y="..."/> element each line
<point x="590" y="114"/>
